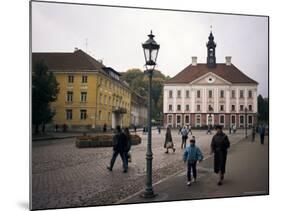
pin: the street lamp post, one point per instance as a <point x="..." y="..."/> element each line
<point x="150" y="48"/>
<point x="246" y="110"/>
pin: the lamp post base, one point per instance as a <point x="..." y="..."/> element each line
<point x="148" y="194"/>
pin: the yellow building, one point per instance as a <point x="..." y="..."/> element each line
<point x="91" y="94"/>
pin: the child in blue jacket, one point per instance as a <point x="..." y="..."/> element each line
<point x="191" y="155"/>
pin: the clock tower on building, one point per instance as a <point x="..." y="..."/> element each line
<point x="211" y="52"/>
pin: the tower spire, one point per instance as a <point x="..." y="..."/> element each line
<point x="211" y="51"/>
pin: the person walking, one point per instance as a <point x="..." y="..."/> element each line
<point x="56" y="128"/>
<point x="180" y="127"/>
<point x="159" y="129"/>
<point x="219" y="146"/>
<point x="191" y="156"/>
<point x="262" y="133"/>
<point x="129" y="144"/>
<point x="169" y="141"/>
<point x="120" y="145"/>
<point x="234" y="128"/>
<point x="184" y="136"/>
<point x="135" y="129"/>
<point x="253" y="133"/>
<point x="209" y="129"/>
<point x="104" y="128"/>
<point x="189" y="129"/>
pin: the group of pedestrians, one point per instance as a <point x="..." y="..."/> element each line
<point x="121" y="146"/>
<point x="192" y="154"/>
<point x="261" y="130"/>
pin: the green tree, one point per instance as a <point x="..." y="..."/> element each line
<point x="44" y="91"/>
<point x="138" y="82"/>
<point x="263" y="112"/>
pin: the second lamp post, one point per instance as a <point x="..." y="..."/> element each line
<point x="150" y="48"/>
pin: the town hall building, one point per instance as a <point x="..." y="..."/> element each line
<point x="209" y="94"/>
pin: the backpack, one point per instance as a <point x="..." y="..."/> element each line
<point x="184" y="132"/>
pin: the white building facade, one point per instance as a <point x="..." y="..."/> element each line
<point x="210" y="94"/>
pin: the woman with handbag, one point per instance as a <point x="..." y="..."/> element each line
<point x="169" y="141"/>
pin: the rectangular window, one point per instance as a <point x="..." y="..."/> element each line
<point x="210" y="108"/>
<point x="232" y="107"/>
<point x="178" y="107"/>
<point x="221" y="107"/>
<point x="241" y="108"/>
<point x="187" y="119"/>
<point x="222" y="94"/>
<point x="198" y="93"/>
<point x="70" y="78"/>
<point x="69" y="96"/>
<point x="187" y="93"/>
<point x="69" y="114"/>
<point x="241" y="119"/>
<point x="250" y="120"/>
<point x="250" y="94"/>
<point x="198" y="120"/>
<point x="210" y="94"/>
<point x="84" y="79"/>
<point x="250" y="107"/>
<point x="233" y="119"/>
<point x="170" y="107"/>
<point x="179" y="94"/>
<point x="241" y="94"/>
<point x="170" y="94"/>
<point x="169" y="119"/>
<point x="198" y="107"/>
<point x="221" y="119"/>
<point x="83" y="97"/>
<point x="187" y="107"/>
<point x="233" y="94"/>
<point x="178" y="119"/>
<point x="83" y="114"/>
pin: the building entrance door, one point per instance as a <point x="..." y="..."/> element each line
<point x="116" y="120"/>
<point x="210" y="119"/>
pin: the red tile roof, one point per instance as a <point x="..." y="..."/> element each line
<point x="227" y="72"/>
<point x="74" y="61"/>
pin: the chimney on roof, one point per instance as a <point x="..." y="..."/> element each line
<point x="194" y="60"/>
<point x="76" y="49"/>
<point x="100" y="61"/>
<point x="228" y="60"/>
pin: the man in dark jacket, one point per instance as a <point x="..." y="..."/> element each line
<point x="220" y="144"/>
<point x="120" y="146"/>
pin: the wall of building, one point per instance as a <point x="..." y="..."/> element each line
<point x="104" y="95"/>
<point x="204" y="101"/>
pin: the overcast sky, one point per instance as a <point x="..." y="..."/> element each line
<point x="115" y="36"/>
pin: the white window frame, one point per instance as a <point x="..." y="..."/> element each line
<point x="83" y="117"/>
<point x="178" y="124"/>
<point x="234" y="119"/>
<point x="172" y="120"/>
<point x="239" y="122"/>
<point x="67" y="114"/>
<point x="83" y="97"/>
<point x="222" y="123"/>
<point x="187" y="123"/>
<point x="67" y="99"/>
<point x="200" y="123"/>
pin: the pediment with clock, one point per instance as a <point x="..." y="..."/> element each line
<point x="210" y="79"/>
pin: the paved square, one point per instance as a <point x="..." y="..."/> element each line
<point x="65" y="176"/>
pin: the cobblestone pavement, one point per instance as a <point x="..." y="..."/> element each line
<point x="65" y="176"/>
